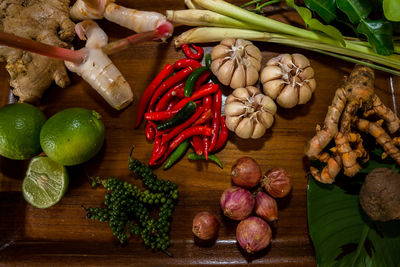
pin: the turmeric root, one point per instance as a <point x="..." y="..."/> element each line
<point x="330" y="128"/>
<point x="351" y="104"/>
<point x="381" y="137"/>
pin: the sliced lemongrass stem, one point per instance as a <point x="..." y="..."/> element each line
<point x="267" y="24"/>
<point x="191" y="5"/>
<point x="11" y="40"/>
<point x="201" y="17"/>
<point x="214" y="34"/>
<point x="162" y="31"/>
<point x="357" y="61"/>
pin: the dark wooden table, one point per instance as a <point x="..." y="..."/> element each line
<point x="61" y="235"/>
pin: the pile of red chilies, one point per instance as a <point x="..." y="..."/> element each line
<point x="165" y="97"/>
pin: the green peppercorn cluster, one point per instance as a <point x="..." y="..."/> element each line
<point x="129" y="209"/>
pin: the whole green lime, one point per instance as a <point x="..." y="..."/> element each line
<point x="72" y="136"/>
<point x="20" y="125"/>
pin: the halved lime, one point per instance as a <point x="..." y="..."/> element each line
<point x="45" y="183"/>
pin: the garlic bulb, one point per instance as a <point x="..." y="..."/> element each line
<point x="236" y="62"/>
<point x="288" y="79"/>
<point x="249" y="113"/>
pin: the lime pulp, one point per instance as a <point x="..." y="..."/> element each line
<point x="45" y="183"/>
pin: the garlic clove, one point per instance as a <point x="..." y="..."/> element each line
<point x="232" y="122"/>
<point x="286" y="63"/>
<point x="266" y="119"/>
<point x="259" y="130"/>
<point x="245" y="128"/>
<point x="220" y="51"/>
<point x="254" y="52"/>
<point x="306" y="74"/>
<point x="235" y="109"/>
<point x="266" y="103"/>
<point x="273" y="88"/>
<point x="312" y="84"/>
<point x="229" y="42"/>
<point x="288" y="97"/>
<point x="253" y="90"/>
<point x="241" y="93"/>
<point x="270" y="73"/>
<point x="238" y="77"/>
<point x="300" y="61"/>
<point x="216" y="64"/>
<point x="229" y="99"/>
<point x="305" y="93"/>
<point x="251" y="75"/>
<point x="225" y="72"/>
<point x="252" y="61"/>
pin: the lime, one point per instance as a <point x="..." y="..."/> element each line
<point x="72" y="136"/>
<point x="20" y="125"/>
<point x="45" y="182"/>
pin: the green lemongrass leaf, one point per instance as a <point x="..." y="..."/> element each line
<point x="391" y="9"/>
<point x="315" y="24"/>
<point x="326" y="9"/>
<point x="379" y="33"/>
<point x="356" y="10"/>
<point x="342" y="234"/>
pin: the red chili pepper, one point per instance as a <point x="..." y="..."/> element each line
<point x="207" y="104"/>
<point x="202" y="78"/>
<point x="172" y="104"/>
<point x="178" y="129"/>
<point x="223" y="135"/>
<point x="156" y="147"/>
<point x="187" y="62"/>
<point x="187" y="133"/>
<point x="171" y="81"/>
<point x="150" y="131"/>
<point x="154" y="160"/>
<point x="177" y="91"/>
<point x="204" y="117"/>
<point x="216" y="109"/>
<point x="207" y="89"/>
<point x="190" y="54"/>
<point x="197" y="144"/>
<point x="149" y="91"/>
<point x="160" y="115"/>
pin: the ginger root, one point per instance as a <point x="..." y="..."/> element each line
<point x="46" y="21"/>
<point x="352" y="104"/>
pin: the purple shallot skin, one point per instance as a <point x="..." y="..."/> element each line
<point x="237" y="203"/>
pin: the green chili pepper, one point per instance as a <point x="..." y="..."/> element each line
<point x="194" y="156"/>
<point x="179" y="117"/>
<point x="191" y="80"/>
<point x="208" y="61"/>
<point x="177" y="154"/>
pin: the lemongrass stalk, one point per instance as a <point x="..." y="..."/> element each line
<point x="191" y="5"/>
<point x="197" y="17"/>
<point x="357" y="61"/>
<point x="227" y="9"/>
<point x="214" y="34"/>
<point x="268" y="24"/>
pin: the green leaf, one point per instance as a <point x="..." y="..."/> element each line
<point x="356" y="10"/>
<point x="343" y="235"/>
<point x="315" y="24"/>
<point x="379" y="33"/>
<point x="391" y="9"/>
<point x="326" y="9"/>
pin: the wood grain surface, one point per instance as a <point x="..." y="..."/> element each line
<point x="61" y="235"/>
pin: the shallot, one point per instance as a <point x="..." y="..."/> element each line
<point x="246" y="172"/>
<point x="253" y="234"/>
<point x="237" y="203"/>
<point x="277" y="182"/>
<point x="266" y="207"/>
<point x="205" y="225"/>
